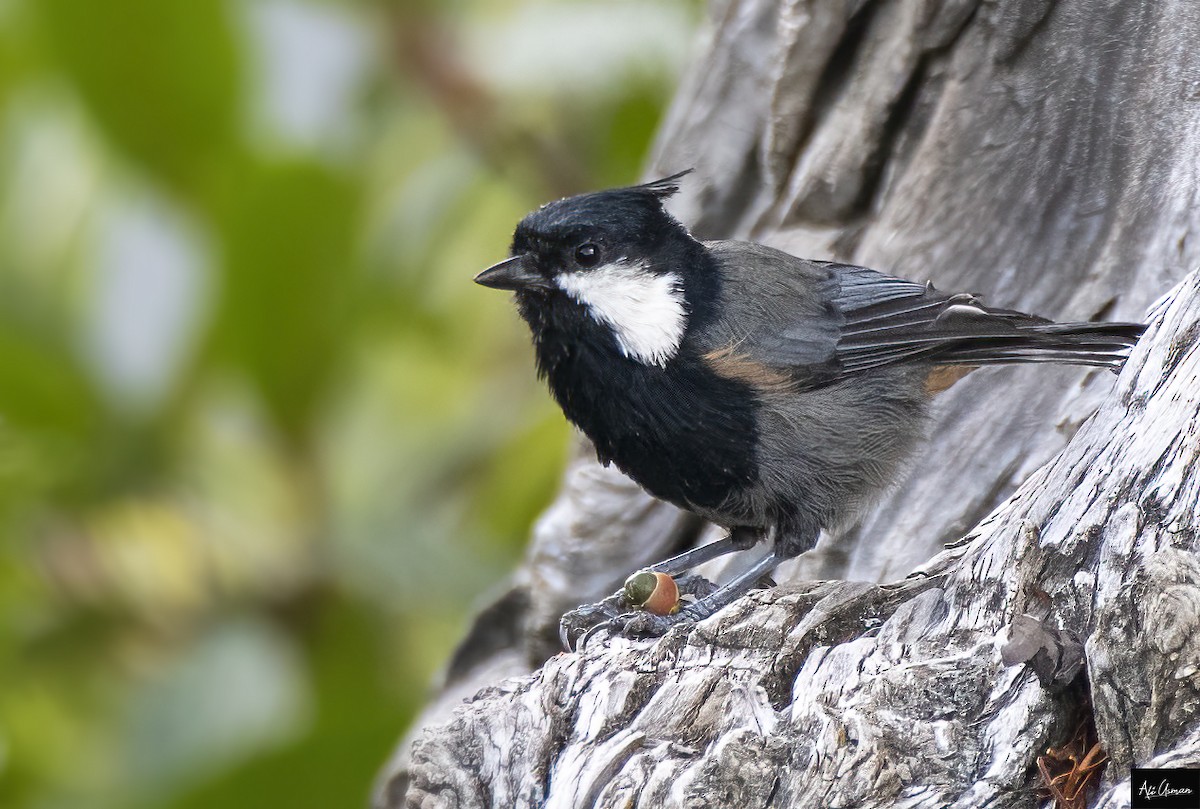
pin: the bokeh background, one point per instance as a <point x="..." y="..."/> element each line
<point x="262" y="443"/>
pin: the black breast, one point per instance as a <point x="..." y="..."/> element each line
<point x="683" y="433"/>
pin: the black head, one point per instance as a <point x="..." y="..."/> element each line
<point x="579" y="233"/>
<point x="617" y="256"/>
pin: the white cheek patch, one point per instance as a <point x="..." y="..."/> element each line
<point x="645" y="311"/>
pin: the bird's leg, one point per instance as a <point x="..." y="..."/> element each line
<point x="786" y="544"/>
<point x="646" y="623"/>
<point x="737" y="539"/>
<point x="581" y="620"/>
<point x="723" y="595"/>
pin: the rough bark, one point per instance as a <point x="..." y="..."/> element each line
<point x="1044" y="155"/>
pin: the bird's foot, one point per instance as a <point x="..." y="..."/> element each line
<point x="643" y="624"/>
<point x="616" y="615"/>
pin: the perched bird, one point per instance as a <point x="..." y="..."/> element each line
<point x="770" y="394"/>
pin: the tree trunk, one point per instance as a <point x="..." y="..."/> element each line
<point x="1044" y="155"/>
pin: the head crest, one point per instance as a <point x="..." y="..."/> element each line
<point x="666" y="187"/>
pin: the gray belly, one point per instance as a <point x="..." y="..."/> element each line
<point x="825" y="455"/>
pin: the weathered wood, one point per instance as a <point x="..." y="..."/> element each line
<point x="1042" y="154"/>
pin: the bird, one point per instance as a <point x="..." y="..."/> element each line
<point x="772" y="395"/>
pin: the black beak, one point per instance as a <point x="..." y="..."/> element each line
<point x="513" y="273"/>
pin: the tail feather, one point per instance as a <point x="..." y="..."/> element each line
<point x="888" y="321"/>
<point x="1105" y="345"/>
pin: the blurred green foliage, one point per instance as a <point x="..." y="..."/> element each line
<point x="262" y="443"/>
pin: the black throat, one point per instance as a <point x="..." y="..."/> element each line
<point x="683" y="433"/>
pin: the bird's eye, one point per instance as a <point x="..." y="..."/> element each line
<point x="587" y="255"/>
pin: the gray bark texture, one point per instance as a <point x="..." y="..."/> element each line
<point x="1044" y="155"/>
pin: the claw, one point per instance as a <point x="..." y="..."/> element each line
<point x="642" y="624"/>
<point x="595" y="630"/>
<point x="581" y="624"/>
<point x="694" y="584"/>
<point x="577" y="625"/>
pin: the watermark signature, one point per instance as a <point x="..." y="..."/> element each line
<point x="1165" y="789"/>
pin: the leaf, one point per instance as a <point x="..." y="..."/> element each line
<point x="160" y="76"/>
<point x="289" y="279"/>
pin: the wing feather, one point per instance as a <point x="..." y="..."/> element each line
<point x="825" y="321"/>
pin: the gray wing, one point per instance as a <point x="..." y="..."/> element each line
<point x="824" y="321"/>
<point x="775" y="309"/>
